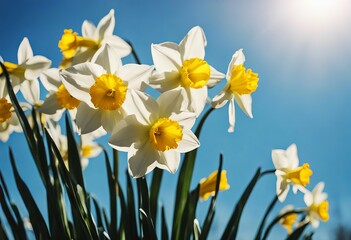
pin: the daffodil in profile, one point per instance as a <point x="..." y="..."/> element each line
<point x="103" y="88"/>
<point x="289" y="220"/>
<point x="288" y="171"/>
<point x="183" y="66"/>
<point x="317" y="205"/>
<point x="78" y="49"/>
<point x="8" y="120"/>
<point x="24" y="74"/>
<point x="241" y="82"/>
<point x="208" y="185"/>
<point x="157" y="133"/>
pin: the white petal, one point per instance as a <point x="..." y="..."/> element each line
<point x="222" y="98"/>
<point x="169" y="160"/>
<point x="83" y="55"/>
<point x="136" y="75"/>
<point x="24" y="51"/>
<point x="31" y="91"/>
<point x="88" y="29"/>
<point x="50" y="78"/>
<point x="128" y="131"/>
<point x="142" y="161"/>
<point x="279" y="159"/>
<point x="231" y="114"/>
<point x="106" y="25"/>
<point x="282" y="188"/>
<point x="173" y="101"/>
<point x="121" y="47"/>
<point x="79" y="78"/>
<point x="197" y="99"/>
<point x="215" y="77"/>
<point x="291" y="154"/>
<point x="245" y="103"/>
<point x="193" y="45"/>
<point x="165" y="81"/>
<point x="318" y="189"/>
<point x="84" y="162"/>
<point x="185" y="119"/>
<point x="237" y="59"/>
<point x="142" y="105"/>
<point x="308" y="198"/>
<point x="35" y="65"/>
<point x="108" y="58"/>
<point x="109" y="119"/>
<point x="189" y="142"/>
<point x="315" y="222"/>
<point x="88" y="119"/>
<point x="50" y="105"/>
<point x="166" y="57"/>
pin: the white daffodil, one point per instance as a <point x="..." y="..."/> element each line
<point x="9" y="122"/>
<point x="184" y="66"/>
<point x="24" y="74"/>
<point x="58" y="99"/>
<point x="103" y="86"/>
<point x="78" y="49"/>
<point x="157" y="133"/>
<point x="87" y="148"/>
<point x="288" y="171"/>
<point x="317" y="205"/>
<point x="289" y="220"/>
<point x="240" y="84"/>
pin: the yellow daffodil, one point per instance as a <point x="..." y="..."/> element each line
<point x="288" y="171"/>
<point x="103" y="87"/>
<point x="24" y="74"/>
<point x="288" y="221"/>
<point x="78" y="49"/>
<point x="241" y="82"/>
<point x="184" y="66"/>
<point x="317" y="205"/>
<point x="157" y="132"/>
<point x="208" y="185"/>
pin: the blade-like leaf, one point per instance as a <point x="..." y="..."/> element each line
<point x="3" y="233"/>
<point x="298" y="232"/>
<point x="233" y="224"/>
<point x="269" y="209"/>
<point x="211" y="210"/>
<point x="37" y="220"/>
<point x="20" y="226"/>
<point x="184" y="180"/>
<point x="164" y="230"/>
<point x="132" y="225"/>
<point x="188" y="216"/>
<point x="8" y="214"/>
<point x="147" y="222"/>
<point x="154" y="191"/>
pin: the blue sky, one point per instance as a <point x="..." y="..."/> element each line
<point x="299" y="48"/>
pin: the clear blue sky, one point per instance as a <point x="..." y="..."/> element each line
<point x="300" y="50"/>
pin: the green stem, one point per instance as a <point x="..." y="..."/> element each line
<point x="267" y="172"/>
<point x="135" y="55"/>
<point x="269" y="209"/>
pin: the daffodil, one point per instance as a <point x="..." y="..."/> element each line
<point x="8" y="120"/>
<point x="241" y="82"/>
<point x="288" y="171"/>
<point x="317" y="205"/>
<point x="58" y="99"/>
<point x="78" y="49"/>
<point x="184" y="66"/>
<point x="24" y="74"/>
<point x="157" y="132"/>
<point x="289" y="220"/>
<point x="103" y="86"/>
<point x="208" y="185"/>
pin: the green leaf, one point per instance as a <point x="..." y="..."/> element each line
<point x="3" y="233"/>
<point x="124" y="228"/>
<point x="154" y="192"/>
<point x="8" y="214"/>
<point x="269" y="209"/>
<point x="20" y="226"/>
<point x="211" y="210"/>
<point x="113" y="198"/>
<point x="188" y="216"/>
<point x="132" y="225"/>
<point x="164" y="230"/>
<point x="233" y="224"/>
<point x="184" y="180"/>
<point x="297" y="233"/>
<point x="144" y="209"/>
<point x="37" y="220"/>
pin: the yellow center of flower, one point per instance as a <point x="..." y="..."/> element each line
<point x="288" y="222"/>
<point x="108" y="92"/>
<point x="322" y="210"/>
<point x="300" y="175"/>
<point x="65" y="99"/>
<point x="13" y="68"/>
<point x="86" y="150"/>
<point x="70" y="41"/>
<point x="5" y="110"/>
<point x="208" y="185"/>
<point x="195" y="73"/>
<point x="243" y="81"/>
<point x="165" y="134"/>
